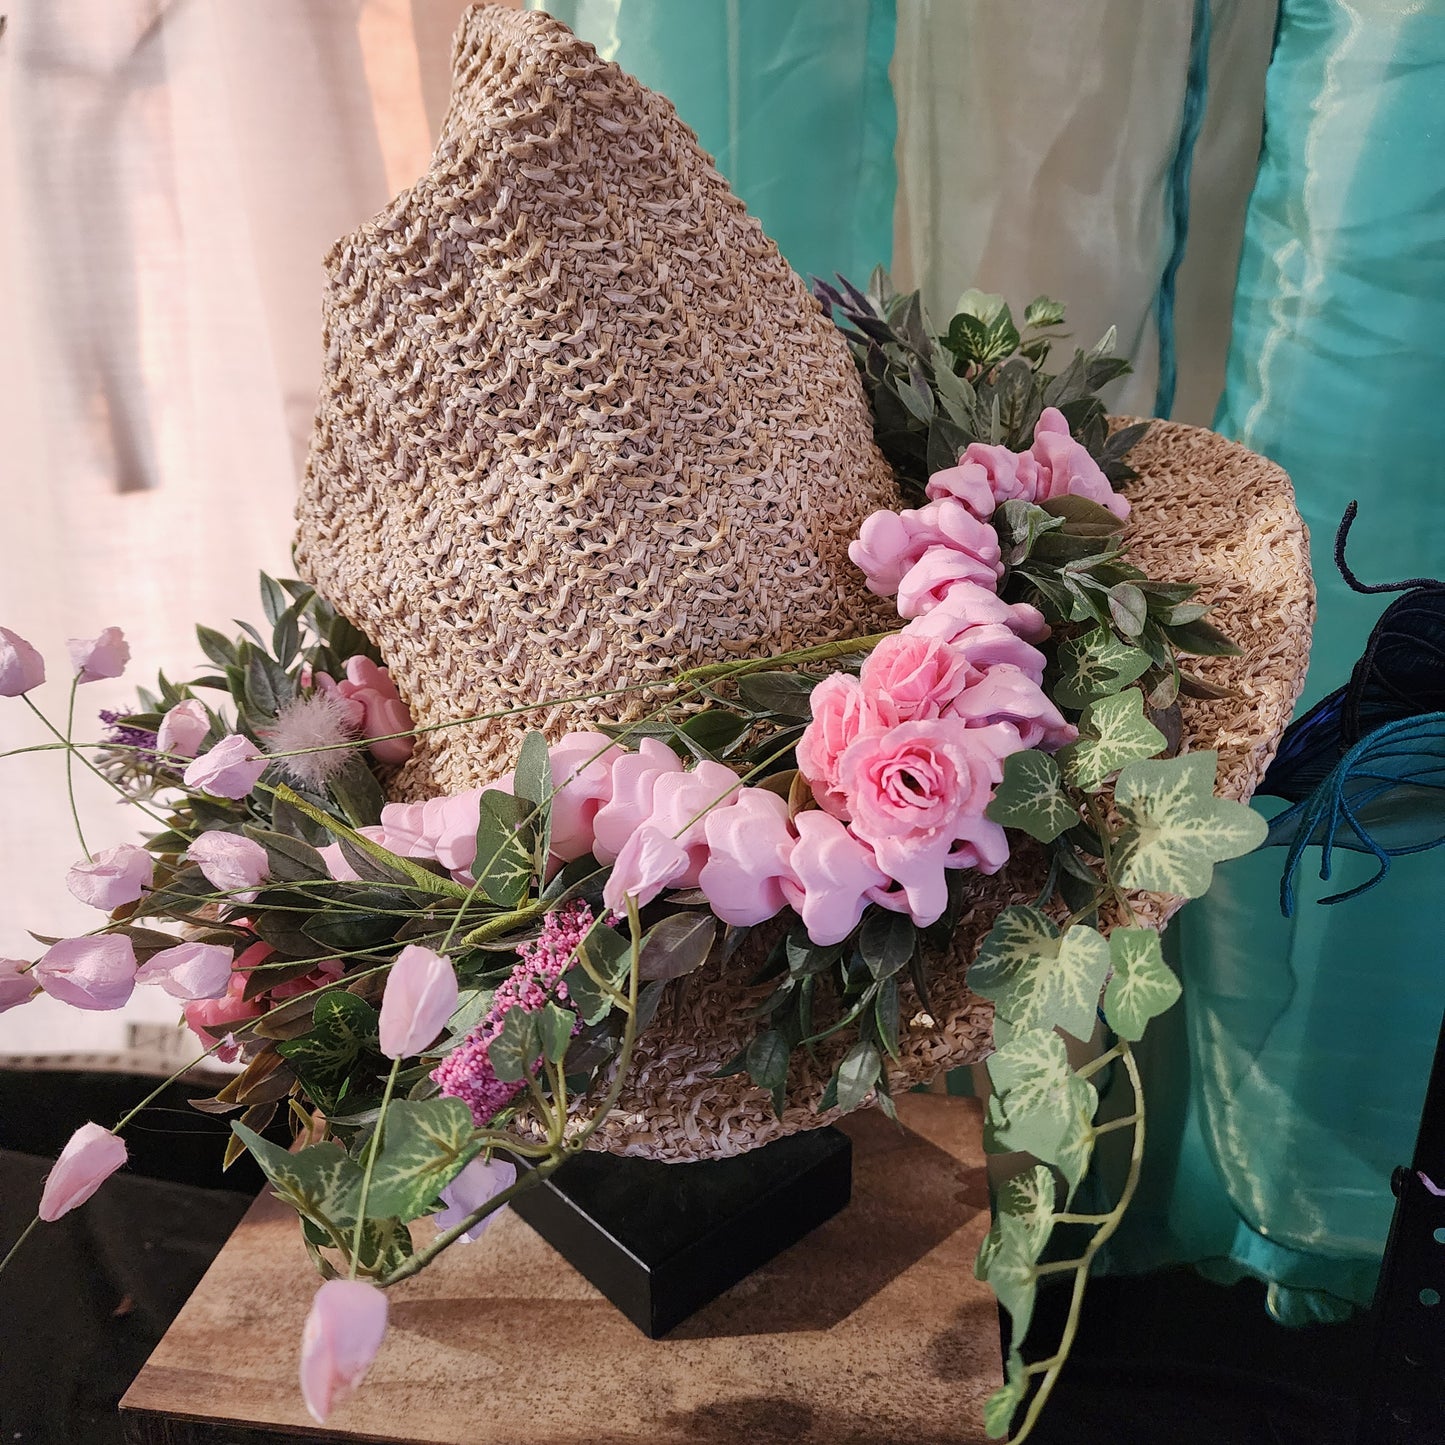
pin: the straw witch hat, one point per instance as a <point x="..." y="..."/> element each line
<point x="581" y="426"/>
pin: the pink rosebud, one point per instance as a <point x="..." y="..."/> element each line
<point x="230" y="769"/>
<point x="481" y="1180"/>
<point x="582" y="781"/>
<point x="841" y="715"/>
<point x="90" y="973"/>
<point x="634" y="780"/>
<point x="189" y="970"/>
<point x="97" y="657"/>
<point x="837" y="877"/>
<point x="21" y="666"/>
<point x="936" y="573"/>
<point x="968" y="605"/>
<point x="889" y="543"/>
<point x="420" y="996"/>
<point x="342" y="1335"/>
<point x="1006" y="695"/>
<point x="232" y="863"/>
<point x="907" y="677"/>
<point x="645" y="866"/>
<point x="681" y="806"/>
<point x="749" y="846"/>
<point x="16" y="984"/>
<point x="183" y="729"/>
<point x="113" y="877"/>
<point x="1065" y="467"/>
<point x="90" y="1157"/>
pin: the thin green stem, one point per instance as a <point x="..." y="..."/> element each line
<point x="15" y="1248"/>
<point x="373" y="1144"/>
<point x="70" y="763"/>
<point x="823" y="652"/>
<point x="1088" y="1070"/>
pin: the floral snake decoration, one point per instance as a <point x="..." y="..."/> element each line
<point x="431" y="990"/>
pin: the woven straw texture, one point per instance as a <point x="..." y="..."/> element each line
<point x="580" y="425"/>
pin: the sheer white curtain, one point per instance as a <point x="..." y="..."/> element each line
<point x="171" y="175"/>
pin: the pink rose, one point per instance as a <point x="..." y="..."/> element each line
<point x="681" y="806"/>
<point x="648" y="863"/>
<point x="1006" y="695"/>
<point x="582" y="766"/>
<point x="21" y="666"/>
<point x="17" y="986"/>
<point x="837" y="877"/>
<point x="112" y="878"/>
<point x="231" y="863"/>
<point x="343" y="1332"/>
<point x="482" y="1180"/>
<point x="90" y="1157"/>
<point x="97" y="657"/>
<point x="841" y="715"/>
<point x="230" y="769"/>
<point x="889" y="543"/>
<point x="1065" y="468"/>
<point x="906" y="678"/>
<point x="323" y="974"/>
<point x="934" y="576"/>
<point x="968" y="605"/>
<point x="183" y="729"/>
<point x="90" y="973"/>
<point x="420" y="996"/>
<point x="634" y="779"/>
<point x="189" y="971"/>
<point x="211" y="1019"/>
<point x="749" y="846"/>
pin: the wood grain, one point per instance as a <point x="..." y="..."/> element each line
<point x="872" y="1329"/>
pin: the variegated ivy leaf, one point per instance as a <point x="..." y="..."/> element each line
<point x="1029" y="1198"/>
<point x="1007" y="1267"/>
<point x="425" y="1144"/>
<point x="321" y="1181"/>
<point x="1040" y="1105"/>
<point x="1112" y="732"/>
<point x="1096" y="664"/>
<point x="1175" y="829"/>
<point x="1143" y="985"/>
<point x="1038" y="979"/>
<point x="1000" y="1407"/>
<point x="1032" y="797"/>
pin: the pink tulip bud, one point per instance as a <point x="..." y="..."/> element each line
<point x="231" y="863"/>
<point x="648" y="862"/>
<point x="87" y="1161"/>
<point x="17" y="984"/>
<point x="343" y="1333"/>
<point x="93" y="658"/>
<point x="89" y="973"/>
<point x="481" y="1180"/>
<point x="112" y="878"/>
<point x="183" y="729"/>
<point x="189" y="971"/>
<point x="21" y="667"/>
<point x="228" y="770"/>
<point x="420" y="996"/>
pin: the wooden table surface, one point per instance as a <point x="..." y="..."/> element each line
<point x="870" y="1331"/>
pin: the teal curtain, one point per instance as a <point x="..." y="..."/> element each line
<point x="792" y="100"/>
<point x="1290" y="1082"/>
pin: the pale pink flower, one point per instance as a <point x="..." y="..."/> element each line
<point x="480" y="1181"/>
<point x="420" y="996"/>
<point x="889" y="543"/>
<point x="183" y="729"/>
<point x="935" y="575"/>
<point x="634" y="779"/>
<point x="451" y="825"/>
<point x="230" y="769"/>
<point x="96" y="657"/>
<point x="968" y="605"/>
<point x="90" y="973"/>
<point x="749" y="847"/>
<point x="681" y="805"/>
<point x="837" y="877"/>
<point x="983" y="471"/>
<point x="908" y="677"/>
<point x="113" y="877"/>
<point x="841" y="715"/>
<point x="648" y="863"/>
<point x="582" y="766"/>
<point x="404" y="829"/>
<point x="343" y="1332"/>
<point x="189" y="971"/>
<point x="231" y="863"/>
<point x="1065" y="467"/>
<point x="21" y="666"/>
<point x="211" y="1019"/>
<point x="17" y="986"/>
<point x="89" y="1158"/>
<point x="1008" y="695"/>
<point x="342" y="871"/>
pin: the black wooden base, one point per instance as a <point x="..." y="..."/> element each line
<point x="661" y="1240"/>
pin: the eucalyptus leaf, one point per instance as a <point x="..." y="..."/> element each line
<point x="677" y="945"/>
<point x="886" y="942"/>
<point x="857" y="1074"/>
